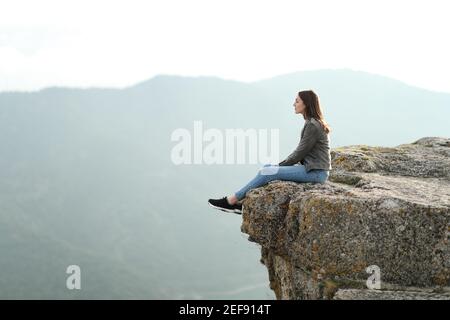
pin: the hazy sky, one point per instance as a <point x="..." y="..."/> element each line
<point x="119" y="43"/>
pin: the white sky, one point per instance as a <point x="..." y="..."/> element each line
<point x="119" y="43"/>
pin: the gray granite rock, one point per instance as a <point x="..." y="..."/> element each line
<point x="388" y="207"/>
<point x="355" y="294"/>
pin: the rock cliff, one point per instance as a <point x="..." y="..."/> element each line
<point x="388" y="207"/>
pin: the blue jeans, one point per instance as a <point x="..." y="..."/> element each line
<point x="296" y="173"/>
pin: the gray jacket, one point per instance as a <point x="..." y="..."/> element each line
<point x="313" y="150"/>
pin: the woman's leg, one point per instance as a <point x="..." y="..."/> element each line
<point x="295" y="173"/>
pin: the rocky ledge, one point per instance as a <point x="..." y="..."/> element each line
<point x="388" y="207"/>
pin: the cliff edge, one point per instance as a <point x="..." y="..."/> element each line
<point x="383" y="207"/>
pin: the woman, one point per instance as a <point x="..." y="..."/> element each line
<point x="313" y="153"/>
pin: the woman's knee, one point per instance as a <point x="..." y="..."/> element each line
<point x="262" y="169"/>
<point x="268" y="170"/>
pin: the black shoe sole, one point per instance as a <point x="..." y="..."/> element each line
<point x="226" y="210"/>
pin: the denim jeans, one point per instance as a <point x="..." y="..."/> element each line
<point x="296" y="173"/>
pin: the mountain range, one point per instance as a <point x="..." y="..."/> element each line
<point x="86" y="178"/>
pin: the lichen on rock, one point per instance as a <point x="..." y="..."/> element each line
<point x="388" y="207"/>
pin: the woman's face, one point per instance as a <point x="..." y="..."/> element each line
<point x="299" y="105"/>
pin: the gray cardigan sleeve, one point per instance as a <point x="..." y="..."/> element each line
<point x="305" y="145"/>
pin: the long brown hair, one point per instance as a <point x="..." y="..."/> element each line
<point x="313" y="109"/>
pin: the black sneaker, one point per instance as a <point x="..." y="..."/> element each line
<point x="238" y="208"/>
<point x="222" y="204"/>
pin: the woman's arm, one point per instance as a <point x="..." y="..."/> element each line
<point x="305" y="145"/>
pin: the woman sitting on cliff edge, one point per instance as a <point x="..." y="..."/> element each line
<point x="309" y="162"/>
